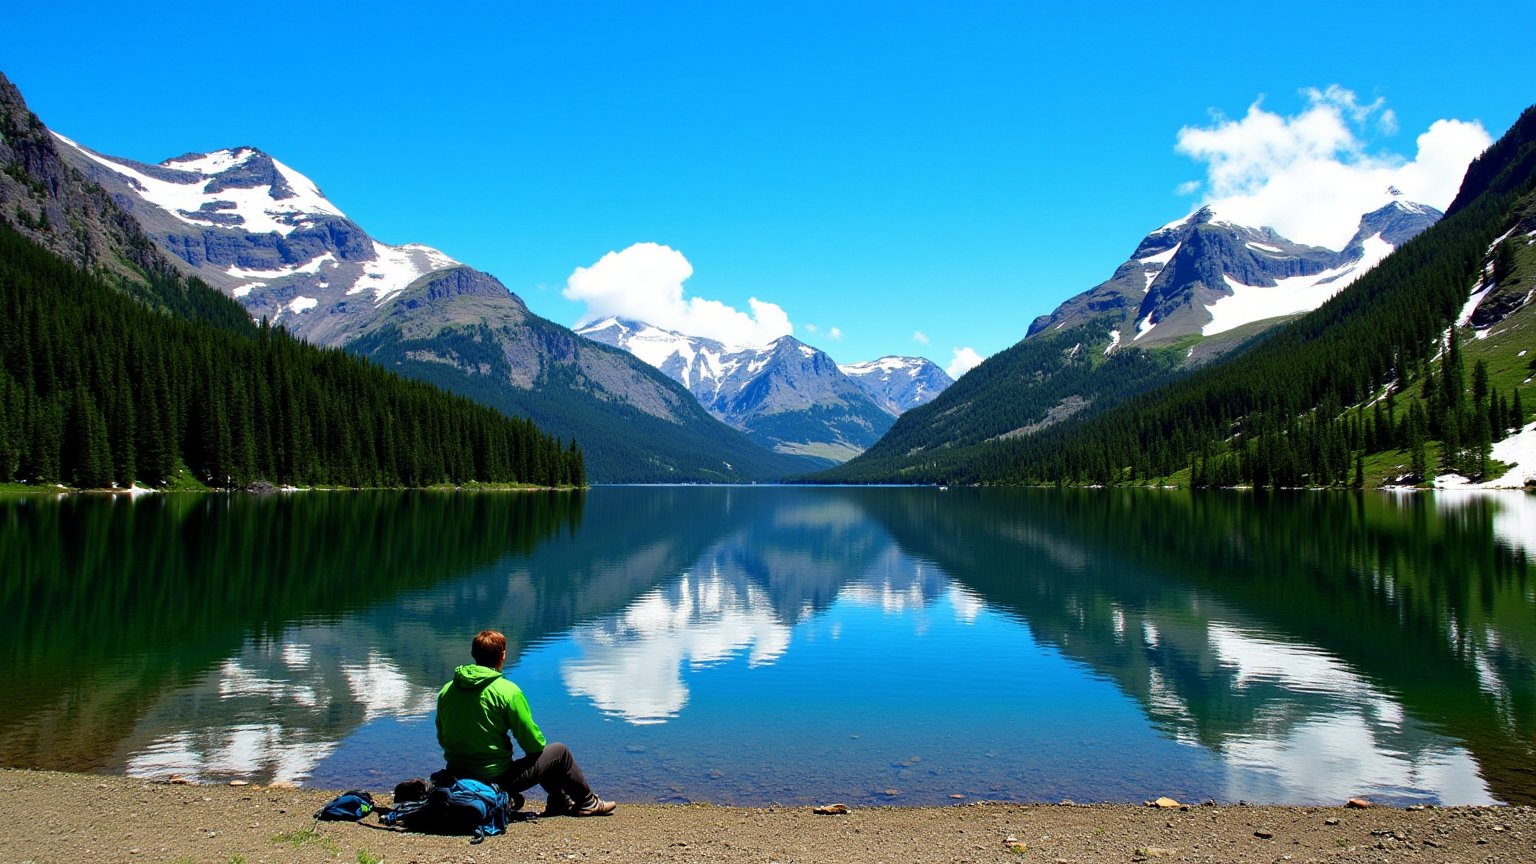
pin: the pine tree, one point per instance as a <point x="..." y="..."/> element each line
<point x="1417" y="431"/>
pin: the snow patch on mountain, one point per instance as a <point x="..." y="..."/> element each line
<point x="186" y="189"/>
<point x="311" y="266"/>
<point x="1114" y="342"/>
<point x="1152" y="265"/>
<point x="395" y="267"/>
<point x="1289" y="296"/>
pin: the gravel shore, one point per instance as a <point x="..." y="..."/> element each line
<point x="57" y="817"/>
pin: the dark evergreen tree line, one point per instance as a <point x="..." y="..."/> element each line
<point x="98" y="389"/>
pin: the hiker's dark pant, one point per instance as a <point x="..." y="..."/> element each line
<point x="556" y="770"/>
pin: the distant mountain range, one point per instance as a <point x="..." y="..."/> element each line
<point x="899" y="384"/>
<point x="1192" y="291"/>
<point x="265" y="234"/>
<point x="787" y="395"/>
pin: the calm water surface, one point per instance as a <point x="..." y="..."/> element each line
<point x="755" y="645"/>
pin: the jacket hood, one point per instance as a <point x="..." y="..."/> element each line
<point x="474" y="677"/>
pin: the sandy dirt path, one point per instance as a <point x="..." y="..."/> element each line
<point x="48" y="817"/>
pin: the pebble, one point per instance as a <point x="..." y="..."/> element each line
<point x="957" y="796"/>
<point x="239" y="783"/>
<point x="1332" y="820"/>
<point x="1264" y="835"/>
<point x="1166" y="803"/>
<point x="1357" y="803"/>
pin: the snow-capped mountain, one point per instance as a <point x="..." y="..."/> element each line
<point x="1205" y="276"/>
<point x="257" y="229"/>
<point x="787" y="395"/>
<point x="899" y="383"/>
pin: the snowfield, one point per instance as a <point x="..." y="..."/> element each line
<point x="1249" y="303"/>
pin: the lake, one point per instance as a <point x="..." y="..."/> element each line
<point x="753" y="645"/>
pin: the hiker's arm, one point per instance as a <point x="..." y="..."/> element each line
<point x="520" y="721"/>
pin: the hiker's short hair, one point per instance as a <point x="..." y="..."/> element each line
<point x="488" y="648"/>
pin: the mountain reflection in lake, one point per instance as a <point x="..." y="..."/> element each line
<point x="752" y="645"/>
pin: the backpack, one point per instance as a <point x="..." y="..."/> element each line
<point x="349" y="806"/>
<point x="464" y="807"/>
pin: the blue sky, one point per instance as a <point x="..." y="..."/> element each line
<point x="884" y="169"/>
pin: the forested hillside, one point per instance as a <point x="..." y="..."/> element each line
<point x="1379" y="368"/>
<point x="98" y="388"/>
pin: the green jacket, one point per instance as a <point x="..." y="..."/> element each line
<point x="475" y="711"/>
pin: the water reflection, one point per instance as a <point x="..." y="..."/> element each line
<point x="1269" y="648"/>
<point x="631" y="663"/>
<point x="779" y="565"/>
<point x="1324" y="640"/>
<point x="274" y="710"/>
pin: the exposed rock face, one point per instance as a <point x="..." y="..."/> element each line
<point x="49" y="202"/>
<point x="788" y="395"/>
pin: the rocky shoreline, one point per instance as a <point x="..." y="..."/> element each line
<point x="59" y="817"/>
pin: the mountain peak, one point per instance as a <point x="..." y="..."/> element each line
<point x="1397" y="222"/>
<point x="241" y="188"/>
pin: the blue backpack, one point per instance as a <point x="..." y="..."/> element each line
<point x="464" y="807"/>
<point x="349" y="806"/>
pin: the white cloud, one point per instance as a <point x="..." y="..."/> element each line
<point x="919" y="337"/>
<point x="645" y="282"/>
<point x="811" y="328"/>
<point x="1310" y="175"/>
<point x="964" y="360"/>
<point x="835" y="333"/>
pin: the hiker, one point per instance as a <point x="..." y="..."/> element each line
<point x="478" y="709"/>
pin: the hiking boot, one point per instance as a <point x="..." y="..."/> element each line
<point x="558" y="805"/>
<point x="595" y="807"/>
